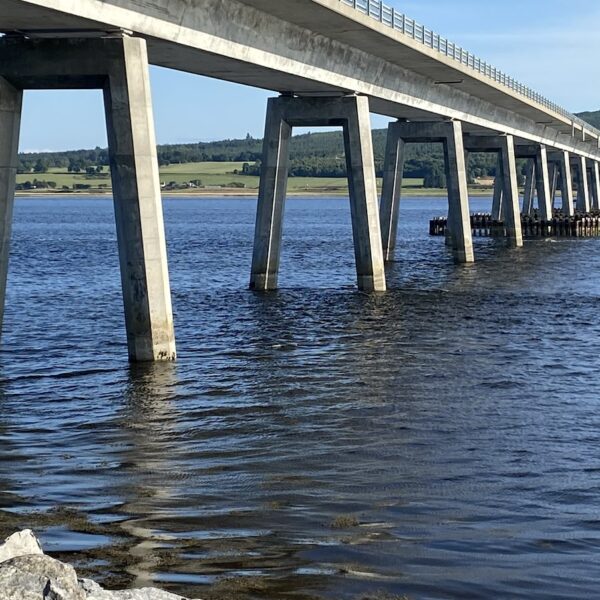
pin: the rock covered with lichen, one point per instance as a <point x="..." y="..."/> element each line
<point x="26" y="573"/>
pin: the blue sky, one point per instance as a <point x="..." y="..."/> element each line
<point x="550" y="45"/>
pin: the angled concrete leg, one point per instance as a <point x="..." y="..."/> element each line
<point x="352" y="113"/>
<point x="553" y="184"/>
<point x="530" y="180"/>
<point x="566" y="182"/>
<point x="542" y="184"/>
<point x="10" y="119"/>
<point x="583" y="193"/>
<point x="588" y="175"/>
<point x="364" y="208"/>
<point x="271" y="200"/>
<point x="595" y="177"/>
<point x="138" y="207"/>
<point x="498" y="199"/>
<point x="459" y="218"/>
<point x="512" y="221"/>
<point x="389" y="208"/>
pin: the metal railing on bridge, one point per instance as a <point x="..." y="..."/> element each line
<point x="389" y="16"/>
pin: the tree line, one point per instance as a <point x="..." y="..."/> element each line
<point x="311" y="155"/>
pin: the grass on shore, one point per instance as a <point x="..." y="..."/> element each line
<point x="216" y="178"/>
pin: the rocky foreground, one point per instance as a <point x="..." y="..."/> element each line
<point x="26" y="573"/>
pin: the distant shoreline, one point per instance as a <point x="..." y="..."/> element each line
<point x="236" y="193"/>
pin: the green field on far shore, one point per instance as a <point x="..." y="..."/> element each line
<point x="214" y="178"/>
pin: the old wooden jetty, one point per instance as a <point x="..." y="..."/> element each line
<point x="561" y="225"/>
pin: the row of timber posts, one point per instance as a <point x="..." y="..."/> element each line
<point x="118" y="64"/>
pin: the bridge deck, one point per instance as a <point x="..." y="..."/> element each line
<point x="311" y="47"/>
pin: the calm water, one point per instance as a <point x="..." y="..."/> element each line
<point x="439" y="441"/>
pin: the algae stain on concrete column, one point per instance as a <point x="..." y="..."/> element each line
<point x="138" y="203"/>
<point x="11" y="100"/>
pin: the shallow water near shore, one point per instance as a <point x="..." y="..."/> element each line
<point x="441" y="440"/>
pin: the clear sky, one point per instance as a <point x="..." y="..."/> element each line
<point x="551" y="45"/>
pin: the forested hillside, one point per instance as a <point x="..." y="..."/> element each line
<point x="312" y="155"/>
<point x="593" y="118"/>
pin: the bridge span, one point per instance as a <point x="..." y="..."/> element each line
<point x="332" y="63"/>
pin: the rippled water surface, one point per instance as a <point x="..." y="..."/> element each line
<point x="438" y="441"/>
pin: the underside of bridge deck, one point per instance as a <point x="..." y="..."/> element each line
<point x="307" y="47"/>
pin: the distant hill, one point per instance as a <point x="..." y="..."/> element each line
<point x="592" y="117"/>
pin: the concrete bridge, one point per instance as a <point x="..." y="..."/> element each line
<point x="332" y="62"/>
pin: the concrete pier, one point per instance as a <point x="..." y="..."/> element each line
<point x="11" y="100"/>
<point x="352" y="114"/>
<point x="542" y="184"/>
<point x="554" y="174"/>
<point x="450" y="134"/>
<point x="504" y="146"/>
<point x="119" y="66"/>
<point x="391" y="190"/>
<point x="511" y="190"/>
<point x="498" y="198"/>
<point x="595" y="184"/>
<point x="583" y="193"/>
<point x="529" y="192"/>
<point x="563" y="163"/>
<point x="138" y="205"/>
<point x="461" y="240"/>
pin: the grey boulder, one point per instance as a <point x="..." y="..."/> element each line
<point x="26" y="573"/>
<point x="95" y="592"/>
<point x="21" y="543"/>
<point x="38" y="577"/>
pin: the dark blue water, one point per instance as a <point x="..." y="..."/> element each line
<point x="439" y="441"/>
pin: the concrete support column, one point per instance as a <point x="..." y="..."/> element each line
<point x="583" y="194"/>
<point x="498" y="198"/>
<point x="542" y="183"/>
<point x="389" y="208"/>
<point x="588" y="176"/>
<point x="138" y="207"/>
<point x="352" y="113"/>
<point x="529" y="192"/>
<point x="10" y="119"/>
<point x="553" y="183"/>
<point x="271" y="199"/>
<point x="566" y="180"/>
<point x="364" y="205"/>
<point x="459" y="218"/>
<point x="512" y="221"/>
<point x="595" y="187"/>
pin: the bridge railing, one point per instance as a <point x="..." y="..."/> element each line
<point x="389" y="16"/>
